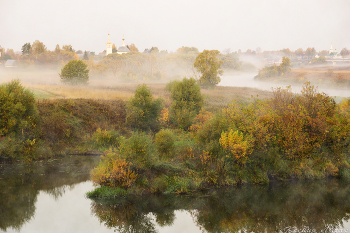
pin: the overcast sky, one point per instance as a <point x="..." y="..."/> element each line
<point x="168" y="25"/>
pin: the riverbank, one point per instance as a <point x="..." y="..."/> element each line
<point x="66" y="125"/>
<point x="303" y="136"/>
<point x="322" y="76"/>
<point x="190" y="148"/>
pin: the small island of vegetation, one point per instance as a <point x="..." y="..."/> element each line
<point x="290" y="136"/>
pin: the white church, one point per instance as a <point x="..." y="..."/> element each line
<point x="122" y="49"/>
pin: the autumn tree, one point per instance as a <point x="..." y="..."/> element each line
<point x="154" y="50"/>
<point x="86" y="56"/>
<point x="186" y="50"/>
<point x="287" y="52"/>
<point x="323" y="53"/>
<point x="319" y="60"/>
<point x="310" y="52"/>
<point x="209" y="65"/>
<point x="10" y="54"/>
<point x="114" y="48"/>
<point x="299" y="52"/>
<point x="38" y="47"/>
<point x="284" y="67"/>
<point x="75" y="72"/>
<point x="57" y="49"/>
<point x="68" y="48"/>
<point x="26" y="49"/>
<point x="344" y="52"/>
<point x="230" y="62"/>
<point x="133" y="48"/>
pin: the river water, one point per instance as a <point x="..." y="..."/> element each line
<point x="247" y="80"/>
<point x="49" y="196"/>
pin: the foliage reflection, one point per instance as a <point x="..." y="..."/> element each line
<point x="302" y="206"/>
<point x="20" y="184"/>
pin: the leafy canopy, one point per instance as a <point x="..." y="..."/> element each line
<point x="187" y="101"/>
<point x="75" y="72"/>
<point x="17" y="108"/>
<point x="142" y="110"/>
<point x="209" y="65"/>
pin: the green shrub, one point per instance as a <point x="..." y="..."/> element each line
<point x="75" y="72"/>
<point x="274" y="70"/>
<point x="106" y="193"/>
<point x="138" y="149"/>
<point x="165" y="142"/>
<point x="18" y="120"/>
<point x="18" y="113"/>
<point x="143" y="111"/>
<point x="103" y="139"/>
<point x="187" y="101"/>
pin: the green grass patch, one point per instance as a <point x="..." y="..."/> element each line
<point x="106" y="192"/>
<point x="40" y="94"/>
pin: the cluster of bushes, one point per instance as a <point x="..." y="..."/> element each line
<point x="302" y="136"/>
<point x="32" y="130"/>
<point x="18" y="120"/>
<point x="274" y="70"/>
<point x="319" y="60"/>
<point x="182" y="148"/>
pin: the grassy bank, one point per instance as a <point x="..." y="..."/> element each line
<point x="303" y="136"/>
<point x="66" y="125"/>
<point x="181" y="139"/>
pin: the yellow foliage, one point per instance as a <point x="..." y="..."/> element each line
<point x="164" y="117"/>
<point x="235" y="142"/>
<point x="345" y="106"/>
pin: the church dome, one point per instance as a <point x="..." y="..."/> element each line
<point x="124" y="49"/>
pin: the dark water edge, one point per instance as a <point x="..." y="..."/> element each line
<point x="49" y="196"/>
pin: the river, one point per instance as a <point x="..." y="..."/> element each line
<point x="49" y="196"/>
<point x="247" y="80"/>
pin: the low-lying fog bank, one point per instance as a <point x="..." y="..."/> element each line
<point x="239" y="79"/>
<point x="247" y="80"/>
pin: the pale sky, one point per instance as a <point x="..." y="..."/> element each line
<point x="168" y="25"/>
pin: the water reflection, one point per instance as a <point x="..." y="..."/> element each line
<point x="320" y="206"/>
<point x="20" y="185"/>
<point x="45" y="190"/>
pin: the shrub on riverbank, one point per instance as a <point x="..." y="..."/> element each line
<point x="18" y="121"/>
<point x="53" y="127"/>
<point x="274" y="70"/>
<point x="301" y="136"/>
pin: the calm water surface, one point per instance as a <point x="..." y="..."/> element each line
<point x="50" y="197"/>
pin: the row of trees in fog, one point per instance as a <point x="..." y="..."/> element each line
<point x="309" y="52"/>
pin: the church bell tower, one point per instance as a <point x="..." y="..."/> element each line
<point x="108" y="46"/>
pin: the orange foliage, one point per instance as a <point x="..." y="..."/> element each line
<point x="199" y="121"/>
<point x="114" y="172"/>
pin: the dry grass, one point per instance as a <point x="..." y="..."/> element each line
<point x="214" y="99"/>
<point x="81" y="92"/>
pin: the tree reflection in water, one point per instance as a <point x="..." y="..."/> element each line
<point x="303" y="206"/>
<point x="21" y="183"/>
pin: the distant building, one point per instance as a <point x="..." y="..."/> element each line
<point x="123" y="49"/>
<point x="11" y="63"/>
<point x="108" y="46"/>
<point x="333" y="53"/>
